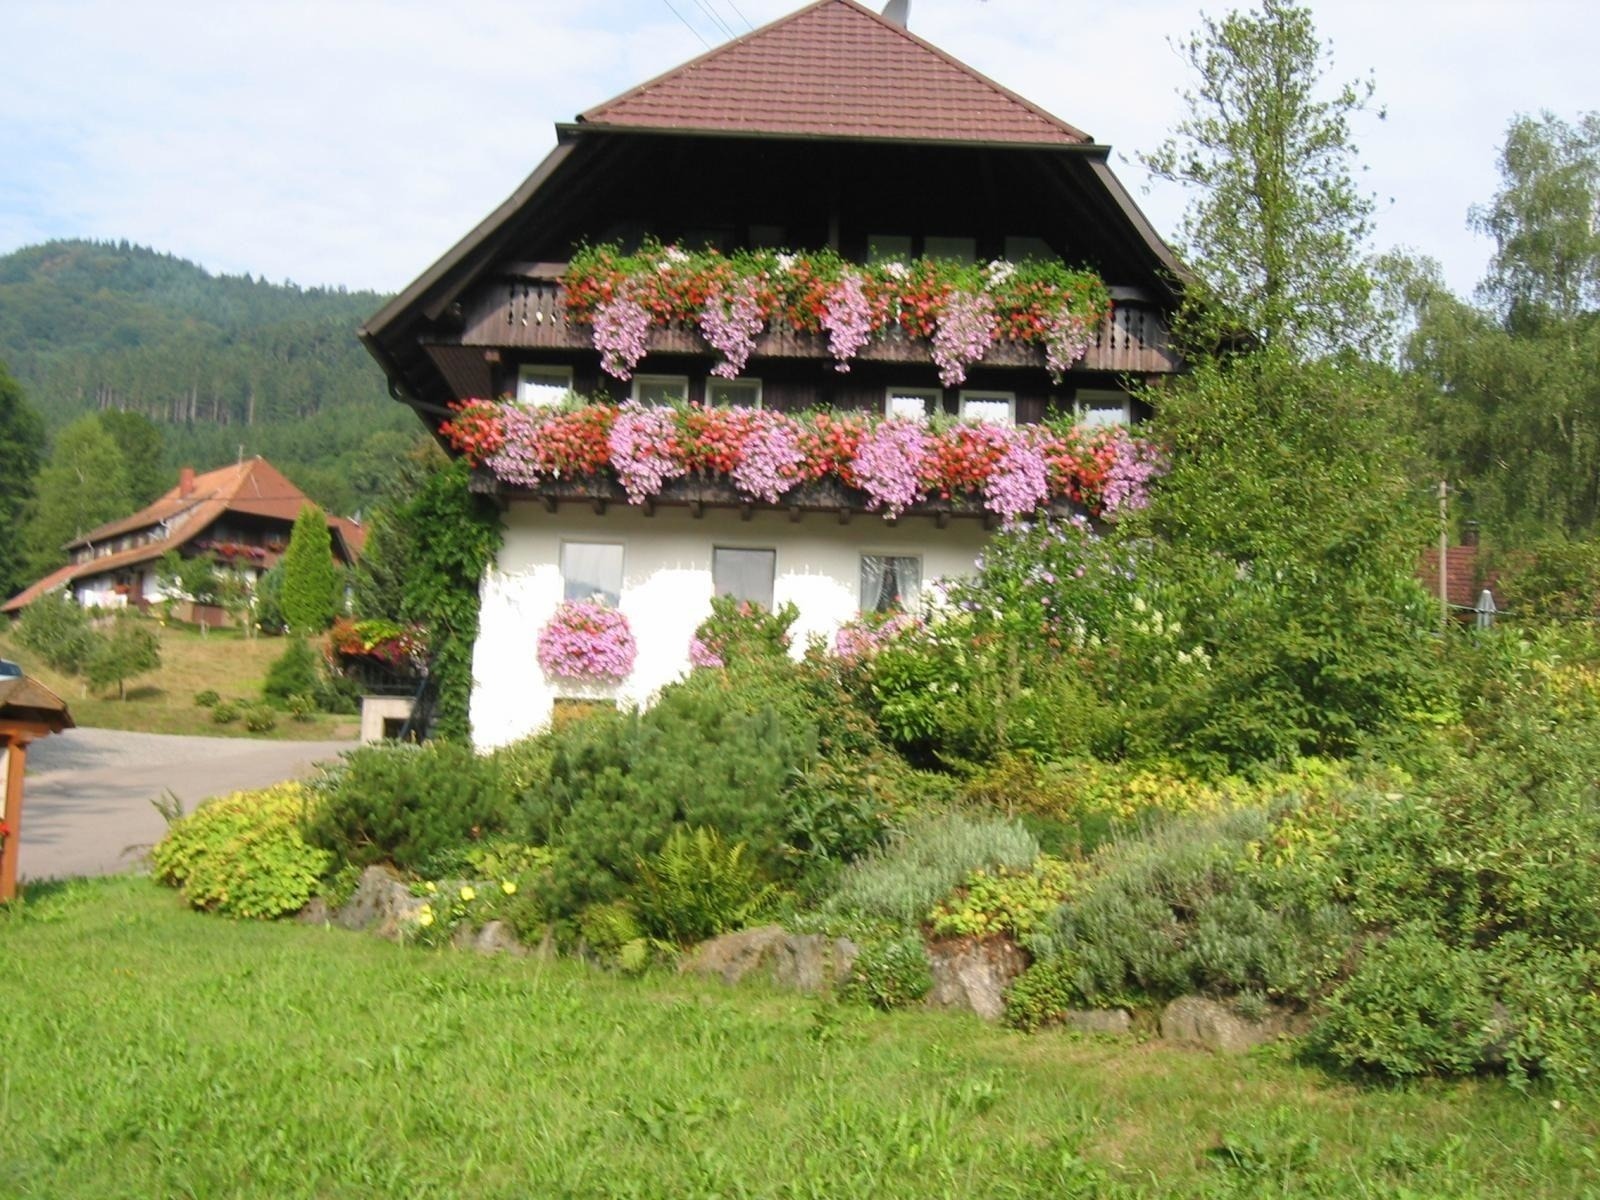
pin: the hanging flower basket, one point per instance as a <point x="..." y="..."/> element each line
<point x="587" y="641"/>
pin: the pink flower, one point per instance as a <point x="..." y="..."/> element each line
<point x="585" y="640"/>
<point x="643" y="448"/>
<point x="1066" y="340"/>
<point x="1020" y="481"/>
<point x="621" y="333"/>
<point x="731" y="321"/>
<point x="962" y="335"/>
<point x="847" y="317"/>
<point x="771" y="459"/>
<point x="888" y="464"/>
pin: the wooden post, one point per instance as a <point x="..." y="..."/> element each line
<point x="16" y="753"/>
<point x="1444" y="555"/>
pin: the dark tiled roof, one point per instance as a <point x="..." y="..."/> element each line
<point x="835" y="69"/>
<point x="1464" y="579"/>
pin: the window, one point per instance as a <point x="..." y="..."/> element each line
<point x="917" y="403"/>
<point x="542" y="387"/>
<point x="888" y="247"/>
<point x="660" y="389"/>
<point x="890" y="583"/>
<point x="1093" y="409"/>
<point x="997" y="408"/>
<point x="956" y="249"/>
<point x="1025" y="249"/>
<point x="733" y="393"/>
<point x="744" y="574"/>
<point x="592" y="571"/>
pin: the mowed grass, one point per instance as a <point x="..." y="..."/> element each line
<point x="162" y="701"/>
<point x="149" y="1051"/>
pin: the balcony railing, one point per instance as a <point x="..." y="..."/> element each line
<point x="528" y="310"/>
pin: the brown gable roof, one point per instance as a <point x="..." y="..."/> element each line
<point x="252" y="486"/>
<point x="835" y="69"/>
<point x="34" y="590"/>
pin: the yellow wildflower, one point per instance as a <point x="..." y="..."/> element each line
<point x="509" y="887"/>
<point x="424" y="916"/>
<point x="467" y="892"/>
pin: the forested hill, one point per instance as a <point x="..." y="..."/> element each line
<point x="223" y="364"/>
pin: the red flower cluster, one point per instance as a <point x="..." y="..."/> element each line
<point x="476" y="430"/>
<point x="391" y="644"/>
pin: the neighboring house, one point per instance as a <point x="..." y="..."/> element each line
<point x="831" y="128"/>
<point x="1471" y="592"/>
<point x="241" y="514"/>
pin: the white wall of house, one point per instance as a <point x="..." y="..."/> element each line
<point x="667" y="590"/>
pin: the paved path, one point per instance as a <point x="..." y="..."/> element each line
<point x="87" y="810"/>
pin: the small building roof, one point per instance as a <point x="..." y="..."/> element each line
<point x="1464" y="578"/>
<point x="27" y="701"/>
<point x="835" y="69"/>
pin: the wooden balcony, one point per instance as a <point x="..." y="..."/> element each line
<point x="527" y="311"/>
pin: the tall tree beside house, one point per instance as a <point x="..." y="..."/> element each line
<point x="1278" y="231"/>
<point x="143" y="454"/>
<point x="311" y="579"/>
<point x="83" y="484"/>
<point x="21" y="450"/>
<point x="1513" y="410"/>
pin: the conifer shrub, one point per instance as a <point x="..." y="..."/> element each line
<point x="404" y="804"/>
<point x="292" y="673"/>
<point x="243" y="854"/>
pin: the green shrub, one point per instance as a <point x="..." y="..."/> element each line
<point x="294" y="672"/>
<point x="607" y="928"/>
<point x="224" y="712"/>
<point x="741" y="630"/>
<point x="890" y="972"/>
<point x="301" y="706"/>
<point x="697" y="886"/>
<point x="243" y="854"/>
<point x="405" y="804"/>
<point x="1043" y="993"/>
<point x="924" y="861"/>
<point x="207" y="699"/>
<point x="258" y="718"/>
<point x="1177" y="911"/>
<point x="1004" y="900"/>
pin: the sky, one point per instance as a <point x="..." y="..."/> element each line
<point x="351" y="143"/>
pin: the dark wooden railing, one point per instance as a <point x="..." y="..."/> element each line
<point x="528" y="311"/>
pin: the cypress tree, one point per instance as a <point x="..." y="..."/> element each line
<point x="311" y="578"/>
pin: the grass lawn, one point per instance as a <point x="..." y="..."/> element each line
<point x="223" y="660"/>
<point x="149" y="1051"/>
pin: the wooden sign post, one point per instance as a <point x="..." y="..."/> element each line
<point x="28" y="710"/>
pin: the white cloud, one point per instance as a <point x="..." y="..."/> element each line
<point x="352" y="143"/>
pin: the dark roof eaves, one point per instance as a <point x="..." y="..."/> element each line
<point x="1089" y="149"/>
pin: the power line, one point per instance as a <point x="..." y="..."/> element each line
<point x="686" y="24"/>
<point x="741" y="16"/>
<point x="716" y="18"/>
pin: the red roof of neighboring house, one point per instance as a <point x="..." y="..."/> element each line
<point x="253" y="487"/>
<point x="1463" y="581"/>
<point x="835" y="69"/>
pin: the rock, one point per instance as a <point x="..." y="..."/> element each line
<point x="316" y="912"/>
<point x="496" y="938"/>
<point x="381" y="903"/>
<point x="1204" y="1022"/>
<point x="974" y="975"/>
<point x="801" y="962"/>
<point x="1098" y="1020"/>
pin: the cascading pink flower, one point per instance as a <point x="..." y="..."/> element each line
<point x="1020" y="482"/>
<point x="1133" y="467"/>
<point x="643" y="449"/>
<point x="585" y="640"/>
<point x="731" y="321"/>
<point x="1066" y="340"/>
<point x="962" y="334"/>
<point x="621" y="333"/>
<point x="517" y="460"/>
<point x="847" y="317"/>
<point x="888" y="465"/>
<point x="770" y="458"/>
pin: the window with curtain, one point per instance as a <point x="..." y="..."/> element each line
<point x="890" y="583"/>
<point x="744" y="574"/>
<point x="592" y="571"/>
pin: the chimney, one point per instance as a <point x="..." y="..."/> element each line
<point x="186" y="481"/>
<point x="898" y="12"/>
<point x="1469" y="534"/>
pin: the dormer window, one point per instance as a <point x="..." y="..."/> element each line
<point x="733" y="393"/>
<point x="543" y="387"/>
<point x="916" y="404"/>
<point x="994" y="408"/>
<point x="661" y="390"/>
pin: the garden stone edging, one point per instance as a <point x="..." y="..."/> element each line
<point x="973" y="975"/>
<point x="802" y="962"/>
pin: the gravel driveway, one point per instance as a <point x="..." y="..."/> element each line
<point x="86" y="807"/>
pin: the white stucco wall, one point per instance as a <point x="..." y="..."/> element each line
<point x="667" y="589"/>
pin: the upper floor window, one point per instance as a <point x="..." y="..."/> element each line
<point x="733" y="393"/>
<point x="956" y="249"/>
<point x="997" y="408"/>
<point x="661" y="389"/>
<point x="592" y="571"/>
<point x="888" y="247"/>
<point x="890" y="582"/>
<point x="744" y="574"/>
<point x="918" y="404"/>
<point x="542" y="387"/>
<point x="1098" y="408"/>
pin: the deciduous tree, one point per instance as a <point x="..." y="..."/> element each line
<point x="82" y="485"/>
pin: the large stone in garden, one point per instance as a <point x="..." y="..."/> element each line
<point x="802" y="962"/>
<point x="973" y="975"/>
<point x="1115" y="1021"/>
<point x="1200" y="1021"/>
<point x="380" y="904"/>
<point x="494" y="937"/>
